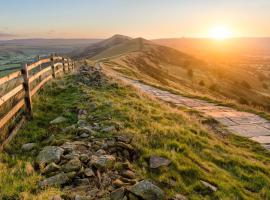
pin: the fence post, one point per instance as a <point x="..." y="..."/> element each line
<point x="63" y="61"/>
<point x="27" y="89"/>
<point x="38" y="58"/>
<point x="53" y="68"/>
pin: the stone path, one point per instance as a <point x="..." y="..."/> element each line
<point x="241" y="123"/>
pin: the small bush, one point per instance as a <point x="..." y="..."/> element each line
<point x="190" y="73"/>
<point x="265" y="86"/>
<point x="201" y="83"/>
<point x="243" y="101"/>
<point x="245" y="84"/>
<point x="213" y="87"/>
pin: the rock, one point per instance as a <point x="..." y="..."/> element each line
<point x="108" y="129"/>
<point x="58" y="120"/>
<point x="128" y="174"/>
<point x="89" y="172"/>
<point x="52" y="167"/>
<point x="71" y="175"/>
<point x="179" y="197"/>
<point x="127" y="180"/>
<point x="103" y="162"/>
<point x="79" y="197"/>
<point x="124" y="145"/>
<point x="86" y="129"/>
<point x="210" y="186"/>
<point x="82" y="181"/>
<point x="100" y="152"/>
<point x="147" y="191"/>
<point x="132" y="197"/>
<point x="118" y="183"/>
<point x="69" y="128"/>
<point x="118" y="194"/>
<point x="49" y="154"/>
<point x="125" y="139"/>
<point x="56" y="180"/>
<point x="28" y="146"/>
<point x="84" y="158"/>
<point x="84" y="135"/>
<point x="72" y="165"/>
<point x="49" y="139"/>
<point x="157" y="161"/>
<point x="56" y="197"/>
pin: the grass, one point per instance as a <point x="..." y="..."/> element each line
<point x="18" y="179"/>
<point x="218" y="100"/>
<point x="239" y="168"/>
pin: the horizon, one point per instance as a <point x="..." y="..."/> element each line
<point x="101" y="19"/>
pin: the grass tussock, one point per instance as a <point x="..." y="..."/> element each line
<point x="239" y="168"/>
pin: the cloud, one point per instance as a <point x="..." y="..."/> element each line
<point x="7" y="35"/>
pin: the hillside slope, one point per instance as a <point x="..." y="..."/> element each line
<point x="204" y="164"/>
<point x="99" y="47"/>
<point x="167" y="67"/>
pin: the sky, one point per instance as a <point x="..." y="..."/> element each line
<point x="150" y="19"/>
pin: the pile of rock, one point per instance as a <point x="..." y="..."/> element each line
<point x="91" y="76"/>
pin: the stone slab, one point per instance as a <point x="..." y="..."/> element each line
<point x="249" y="130"/>
<point x="262" y="139"/>
<point x="248" y="120"/>
<point x="266" y="125"/>
<point x="226" y="121"/>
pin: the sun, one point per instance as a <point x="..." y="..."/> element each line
<point x="220" y="33"/>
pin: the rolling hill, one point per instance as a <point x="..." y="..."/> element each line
<point x="172" y="69"/>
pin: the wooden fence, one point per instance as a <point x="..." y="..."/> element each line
<point x="33" y="76"/>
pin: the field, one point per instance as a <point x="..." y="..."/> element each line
<point x="15" y="52"/>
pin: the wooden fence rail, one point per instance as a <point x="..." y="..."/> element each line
<point x="47" y="68"/>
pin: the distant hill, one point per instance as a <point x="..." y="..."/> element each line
<point x="193" y="74"/>
<point x="96" y="48"/>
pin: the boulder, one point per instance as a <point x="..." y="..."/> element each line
<point x="52" y="167"/>
<point x="72" y="165"/>
<point x="124" y="138"/>
<point x="28" y="146"/>
<point x="108" y="129"/>
<point x="58" y="120"/>
<point x="118" y="194"/>
<point x="103" y="162"/>
<point x="157" y="161"/>
<point x="84" y="135"/>
<point x="82" y="181"/>
<point x="49" y="154"/>
<point x="56" y="197"/>
<point x="147" y="191"/>
<point x="88" y="172"/>
<point x="128" y="174"/>
<point x="56" y="180"/>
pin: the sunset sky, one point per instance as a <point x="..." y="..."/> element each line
<point x="147" y="18"/>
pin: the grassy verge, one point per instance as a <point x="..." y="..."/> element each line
<point x="18" y="179"/>
<point x="239" y="168"/>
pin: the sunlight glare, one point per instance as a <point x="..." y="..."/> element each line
<point x="220" y="33"/>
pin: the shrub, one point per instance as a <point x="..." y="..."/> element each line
<point x="201" y="83"/>
<point x="245" y="84"/>
<point x="213" y="87"/>
<point x="190" y="73"/>
<point x="243" y="101"/>
<point x="265" y="86"/>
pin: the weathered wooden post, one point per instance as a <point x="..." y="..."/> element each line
<point x="39" y="67"/>
<point x="27" y="89"/>
<point x="53" y="67"/>
<point x="64" y="67"/>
